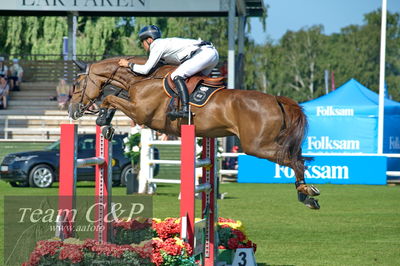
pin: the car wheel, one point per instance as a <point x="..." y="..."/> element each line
<point x="41" y="176"/>
<point x="19" y="184"/>
<point x="124" y="174"/>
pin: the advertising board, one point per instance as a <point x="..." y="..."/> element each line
<point x="366" y="170"/>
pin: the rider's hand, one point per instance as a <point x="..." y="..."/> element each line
<point x="123" y="63"/>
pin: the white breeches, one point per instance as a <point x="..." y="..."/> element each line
<point x="204" y="60"/>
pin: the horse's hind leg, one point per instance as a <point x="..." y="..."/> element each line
<point x="303" y="191"/>
<point x="270" y="152"/>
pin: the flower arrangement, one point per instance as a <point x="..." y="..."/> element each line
<point x="159" y="244"/>
<point x="89" y="252"/>
<point x="231" y="235"/>
<point x="172" y="251"/>
<point x="132" y="145"/>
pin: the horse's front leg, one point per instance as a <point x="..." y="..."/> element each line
<point x="112" y="103"/>
<point x="106" y="114"/>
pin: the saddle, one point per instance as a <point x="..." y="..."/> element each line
<point x="193" y="81"/>
<point x="200" y="88"/>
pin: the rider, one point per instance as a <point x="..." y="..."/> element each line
<point x="192" y="56"/>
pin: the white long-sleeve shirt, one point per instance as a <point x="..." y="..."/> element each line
<point x="172" y="50"/>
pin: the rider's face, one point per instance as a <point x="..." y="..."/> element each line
<point x="146" y="44"/>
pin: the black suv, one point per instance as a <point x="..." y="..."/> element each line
<point x="41" y="168"/>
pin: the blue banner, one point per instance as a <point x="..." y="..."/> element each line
<point x="366" y="170"/>
<point x="341" y="134"/>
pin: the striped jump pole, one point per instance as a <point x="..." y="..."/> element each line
<point x="206" y="245"/>
<point x="67" y="182"/>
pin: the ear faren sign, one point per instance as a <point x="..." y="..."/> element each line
<point x="83" y="3"/>
<point x="117" y="5"/>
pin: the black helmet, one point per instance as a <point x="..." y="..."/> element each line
<point x="150" y="31"/>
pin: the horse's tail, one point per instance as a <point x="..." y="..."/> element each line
<point x="293" y="131"/>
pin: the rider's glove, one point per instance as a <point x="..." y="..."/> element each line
<point x="131" y="65"/>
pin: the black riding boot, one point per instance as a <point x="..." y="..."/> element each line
<point x="184" y="95"/>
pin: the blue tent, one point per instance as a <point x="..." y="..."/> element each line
<point x="346" y="121"/>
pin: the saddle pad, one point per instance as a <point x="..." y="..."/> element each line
<point x="202" y="94"/>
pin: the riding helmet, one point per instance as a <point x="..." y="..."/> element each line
<point x="150" y="31"/>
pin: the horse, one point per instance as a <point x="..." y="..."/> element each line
<point x="269" y="127"/>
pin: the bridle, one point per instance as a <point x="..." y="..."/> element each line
<point x="84" y="109"/>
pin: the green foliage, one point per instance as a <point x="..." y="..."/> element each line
<point x="177" y="260"/>
<point x="124" y="236"/>
<point x="132" y="147"/>
<point x="295" y="66"/>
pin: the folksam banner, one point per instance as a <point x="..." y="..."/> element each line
<point x="346" y="121"/>
<point x="366" y="170"/>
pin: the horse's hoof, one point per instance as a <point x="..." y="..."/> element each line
<point x="108" y="132"/>
<point x="312" y="203"/>
<point x="313" y="191"/>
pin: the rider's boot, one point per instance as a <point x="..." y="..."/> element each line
<point x="184" y="95"/>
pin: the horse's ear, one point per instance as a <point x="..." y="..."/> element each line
<point x="80" y="64"/>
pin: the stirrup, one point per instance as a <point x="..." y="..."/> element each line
<point x="173" y="115"/>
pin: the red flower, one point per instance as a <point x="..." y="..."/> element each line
<point x="171" y="248"/>
<point x="132" y="224"/>
<point x="157" y="259"/>
<point x="225" y="220"/>
<point x="71" y="252"/>
<point x="168" y="228"/>
<point x="43" y="248"/>
<point x="239" y="234"/>
<point x="233" y="243"/>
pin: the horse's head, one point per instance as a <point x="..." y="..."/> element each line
<point x="86" y="90"/>
<point x="89" y="84"/>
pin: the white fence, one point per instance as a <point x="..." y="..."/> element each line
<point x="38" y="126"/>
<point x="147" y="182"/>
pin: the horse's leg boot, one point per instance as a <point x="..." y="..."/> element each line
<point x="102" y="118"/>
<point x="184" y="95"/>
<point x="110" y="115"/>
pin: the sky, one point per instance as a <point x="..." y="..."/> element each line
<point x="284" y="15"/>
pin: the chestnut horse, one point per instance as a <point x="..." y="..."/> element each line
<point x="269" y="127"/>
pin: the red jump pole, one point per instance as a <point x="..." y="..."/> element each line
<point x="67" y="180"/>
<point x="188" y="164"/>
<point x="103" y="187"/>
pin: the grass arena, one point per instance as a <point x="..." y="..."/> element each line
<point x="358" y="225"/>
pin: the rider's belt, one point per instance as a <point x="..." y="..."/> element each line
<point x="203" y="43"/>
